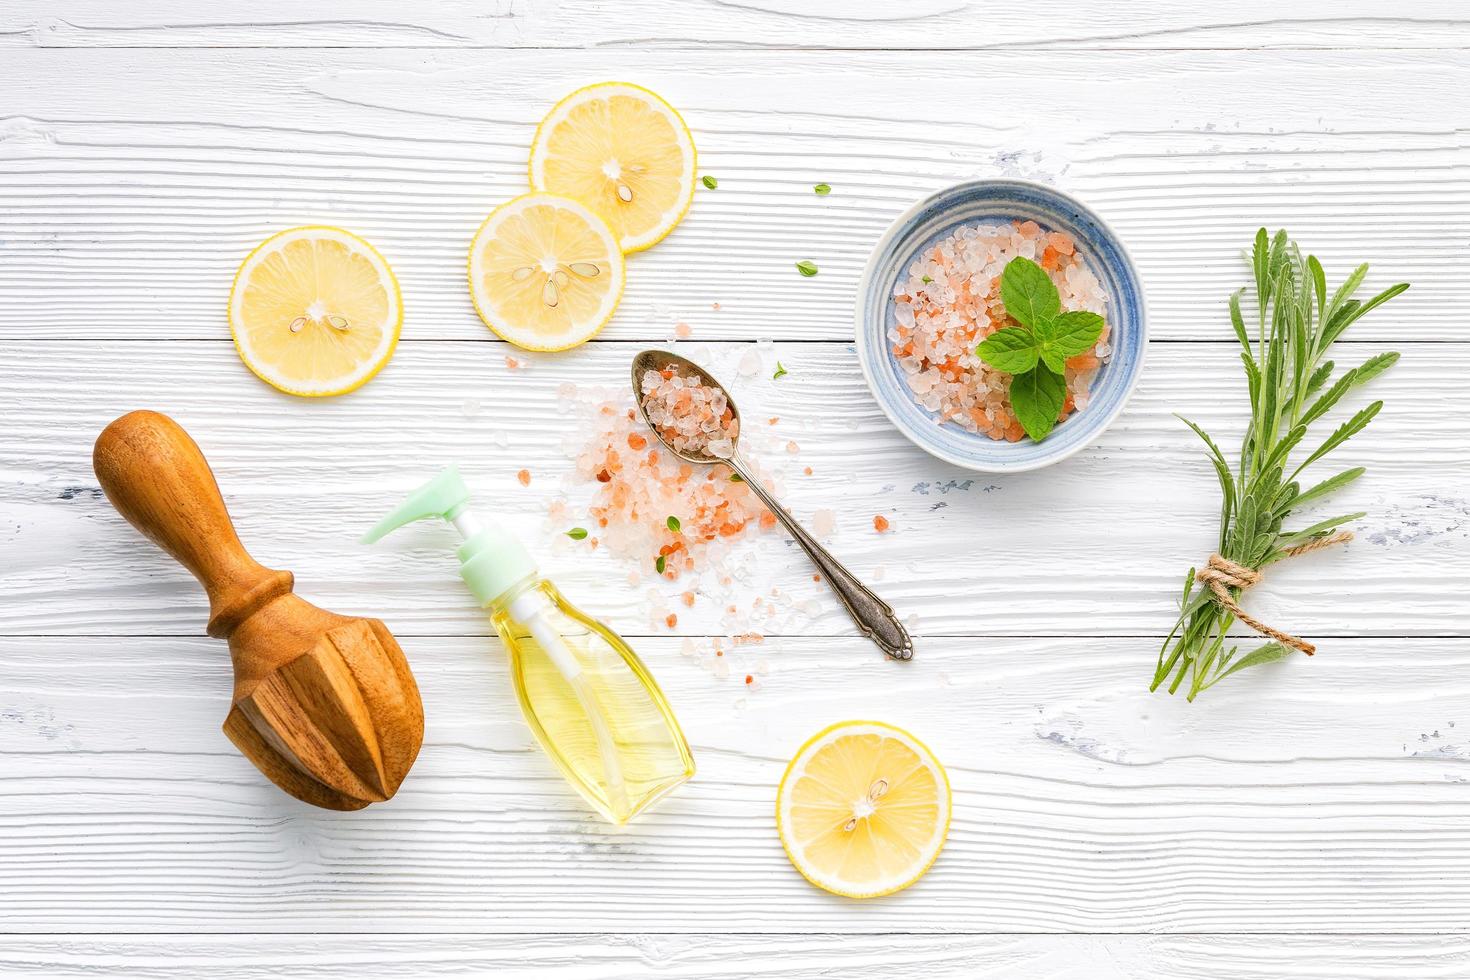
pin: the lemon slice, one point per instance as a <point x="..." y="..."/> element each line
<point x="545" y="272"/>
<point x="863" y="809"/>
<point x="622" y="151"/>
<point x="315" y="311"/>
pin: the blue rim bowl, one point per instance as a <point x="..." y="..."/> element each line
<point x="924" y="225"/>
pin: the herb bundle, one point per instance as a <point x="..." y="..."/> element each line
<point x="1288" y="379"/>
<point x="1035" y="353"/>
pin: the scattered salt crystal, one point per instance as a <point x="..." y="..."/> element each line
<point x="824" y="521"/>
<point x="683" y="331"/>
<point x="750" y="363"/>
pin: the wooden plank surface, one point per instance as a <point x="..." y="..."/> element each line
<point x="149" y="176"/>
<point x="924" y="25"/>
<point x="966" y="555"/>
<point x="637" y="957"/>
<point x="1082" y="803"/>
<point x="1309" y="821"/>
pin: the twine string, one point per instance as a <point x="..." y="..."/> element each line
<point x="1221" y="575"/>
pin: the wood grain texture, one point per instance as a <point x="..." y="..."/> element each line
<point x="150" y="176"/>
<point x="967" y="553"/>
<point x="1309" y="821"/>
<point x="1082" y="803"/>
<point x="926" y="25"/>
<point x="697" y="957"/>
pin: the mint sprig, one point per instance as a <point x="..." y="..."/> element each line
<point x="1035" y="353"/>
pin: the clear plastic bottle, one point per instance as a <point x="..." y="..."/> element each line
<point x="590" y="701"/>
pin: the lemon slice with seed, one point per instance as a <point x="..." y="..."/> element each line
<point x="315" y="311"/>
<point x="545" y="272"/>
<point x="863" y="809"/>
<point x="622" y="151"/>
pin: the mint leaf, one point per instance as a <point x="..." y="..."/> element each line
<point x="673" y="524"/>
<point x="823" y="190"/>
<point x="1037" y="398"/>
<point x="659" y="564"/>
<point x="1011" y="350"/>
<point x="709" y="182"/>
<point x="1067" y="336"/>
<point x="1075" y="332"/>
<point x="807" y="268"/>
<point x="1028" y="293"/>
<point x="577" y="533"/>
<point x="781" y="371"/>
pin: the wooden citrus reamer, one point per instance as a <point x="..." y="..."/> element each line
<point x="324" y="705"/>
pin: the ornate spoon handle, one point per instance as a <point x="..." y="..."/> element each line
<point x="872" y="615"/>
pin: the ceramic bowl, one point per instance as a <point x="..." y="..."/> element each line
<point x="935" y="217"/>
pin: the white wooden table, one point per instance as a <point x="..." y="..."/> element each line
<point x="1310" y="820"/>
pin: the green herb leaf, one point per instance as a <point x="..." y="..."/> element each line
<point x="1267" y="654"/>
<point x="781" y="372"/>
<point x="658" y="564"/>
<point x="736" y="478"/>
<point x="1028" y="293"/>
<point x="1012" y="350"/>
<point x="1330" y="397"/>
<point x="1329" y="485"/>
<point x="1067" y="335"/>
<point x="709" y="182"/>
<point x="577" y="533"/>
<point x="1319" y="377"/>
<point x="1344" y="432"/>
<point x="823" y="189"/>
<point x="925" y="280"/>
<point x="807" y="268"/>
<point x="1237" y="321"/>
<point x="1374" y="366"/>
<point x="1037" y="398"/>
<point x="1319" y="283"/>
<point x="673" y="524"/>
<point x="1290" y="538"/>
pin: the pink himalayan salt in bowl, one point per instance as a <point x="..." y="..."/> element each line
<point x="949" y="301"/>
<point x="931" y="398"/>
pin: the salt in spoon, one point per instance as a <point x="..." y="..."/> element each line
<point x="872" y="615"/>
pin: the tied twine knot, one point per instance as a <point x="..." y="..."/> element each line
<point x="1221" y="575"/>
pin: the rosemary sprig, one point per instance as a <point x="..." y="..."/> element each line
<point x="1287" y="375"/>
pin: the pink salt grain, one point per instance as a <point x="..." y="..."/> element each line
<point x="525" y="477"/>
<point x="683" y="331"/>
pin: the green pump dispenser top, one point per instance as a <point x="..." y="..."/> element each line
<point x="491" y="559"/>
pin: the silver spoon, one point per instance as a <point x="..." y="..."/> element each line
<point x="872" y="615"/>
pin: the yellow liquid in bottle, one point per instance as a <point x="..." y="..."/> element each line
<point x="608" y="728"/>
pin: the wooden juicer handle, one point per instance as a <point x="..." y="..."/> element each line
<point x="157" y="478"/>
